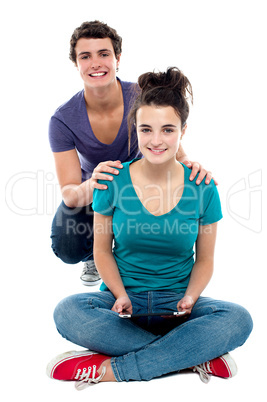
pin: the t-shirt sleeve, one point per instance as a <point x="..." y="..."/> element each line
<point x="60" y="136"/>
<point x="210" y="205"/>
<point x="103" y="200"/>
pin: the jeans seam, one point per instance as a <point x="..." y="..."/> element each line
<point x="89" y="303"/>
<point x="115" y="370"/>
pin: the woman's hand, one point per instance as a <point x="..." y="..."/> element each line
<point x="186" y="304"/>
<point x="203" y="173"/>
<point x="123" y="305"/>
<point x="100" y="171"/>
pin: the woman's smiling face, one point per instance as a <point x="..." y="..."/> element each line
<point x="159" y="132"/>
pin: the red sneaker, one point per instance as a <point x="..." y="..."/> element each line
<point x="223" y="366"/>
<point x="77" y="366"/>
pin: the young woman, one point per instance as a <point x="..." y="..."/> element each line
<point x="89" y="136"/>
<point x="156" y="217"/>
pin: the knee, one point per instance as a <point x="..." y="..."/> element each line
<point x="72" y="235"/>
<point x="66" y="313"/>
<point x="64" y="252"/>
<point x="71" y="248"/>
<point x="241" y="323"/>
<point x="62" y="314"/>
<point x="247" y="322"/>
<point x="79" y="317"/>
<point x="77" y="308"/>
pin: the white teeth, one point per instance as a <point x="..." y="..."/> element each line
<point x="97" y="74"/>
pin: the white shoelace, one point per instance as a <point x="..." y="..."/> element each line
<point x="84" y="380"/>
<point x="203" y="370"/>
<point x="89" y="267"/>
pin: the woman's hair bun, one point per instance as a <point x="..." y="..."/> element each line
<point x="173" y="79"/>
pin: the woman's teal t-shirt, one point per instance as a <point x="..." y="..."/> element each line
<point x="155" y="252"/>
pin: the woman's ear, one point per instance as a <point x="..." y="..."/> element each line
<point x="183" y="131"/>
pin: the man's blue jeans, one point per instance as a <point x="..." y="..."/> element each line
<point x="146" y="348"/>
<point x="72" y="234"/>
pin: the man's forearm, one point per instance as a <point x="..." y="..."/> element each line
<point x="77" y="195"/>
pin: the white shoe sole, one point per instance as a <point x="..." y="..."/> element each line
<point x="91" y="283"/>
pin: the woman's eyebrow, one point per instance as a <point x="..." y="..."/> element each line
<point x="165" y="125"/>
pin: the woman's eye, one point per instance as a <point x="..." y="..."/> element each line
<point x="145" y="130"/>
<point x="168" y="130"/>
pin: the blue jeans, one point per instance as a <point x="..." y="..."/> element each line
<point x="142" y="349"/>
<point x="72" y="234"/>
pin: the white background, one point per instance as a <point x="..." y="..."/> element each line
<point x="221" y="47"/>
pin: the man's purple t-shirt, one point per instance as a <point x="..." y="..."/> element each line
<point x="70" y="128"/>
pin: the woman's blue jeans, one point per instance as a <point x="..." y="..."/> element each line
<point x="72" y="234"/>
<point x="142" y="349"/>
